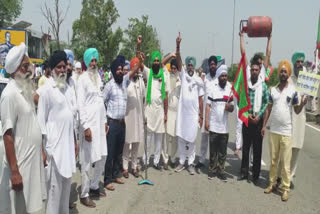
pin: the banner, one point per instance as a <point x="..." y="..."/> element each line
<point x="308" y="83"/>
<point x="8" y="39"/>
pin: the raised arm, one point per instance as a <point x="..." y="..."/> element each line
<point x="268" y="53"/>
<point x="168" y="58"/>
<point x="178" y="56"/>
<point x="242" y="48"/>
<point x="138" y="65"/>
<point x="138" y="45"/>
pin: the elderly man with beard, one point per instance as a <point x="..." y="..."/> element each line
<point x="23" y="173"/>
<point x="170" y="145"/>
<point x="190" y="111"/>
<point x="93" y="148"/>
<point x="115" y="98"/>
<point x="208" y="83"/>
<point x="156" y="107"/>
<point x="55" y="116"/>
<point x="259" y="96"/>
<point x="282" y="100"/>
<point x="219" y="104"/>
<point x="134" y="120"/>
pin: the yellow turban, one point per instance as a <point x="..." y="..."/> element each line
<point x="287" y="65"/>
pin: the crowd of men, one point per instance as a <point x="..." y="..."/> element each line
<point x="73" y="114"/>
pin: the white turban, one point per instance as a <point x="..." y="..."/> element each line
<point x="220" y="70"/>
<point x="77" y="65"/>
<point x="15" y="57"/>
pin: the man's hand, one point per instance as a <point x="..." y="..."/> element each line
<point x="88" y="135"/>
<point x="165" y="118"/>
<point x="304" y="100"/>
<point x="142" y="57"/>
<point x="173" y="55"/>
<point x="250" y="118"/>
<point x="178" y="40"/>
<point x="107" y="128"/>
<point x="206" y="126"/>
<point x="16" y="181"/>
<point x="44" y="158"/>
<point x="76" y="149"/>
<point x="256" y="120"/>
<point x="241" y="34"/>
<point x="139" y="39"/>
<point x="228" y="107"/>
<point x="263" y="130"/>
<point x="200" y="121"/>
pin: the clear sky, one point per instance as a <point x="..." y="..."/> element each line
<point x="206" y="25"/>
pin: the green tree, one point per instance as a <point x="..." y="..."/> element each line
<point x="9" y="11"/>
<point x="94" y="29"/>
<point x="150" y="41"/>
<point x="232" y="71"/>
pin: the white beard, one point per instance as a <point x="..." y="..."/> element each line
<point x="93" y="75"/>
<point x="26" y="84"/>
<point x="60" y="80"/>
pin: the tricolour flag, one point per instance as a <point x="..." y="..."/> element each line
<point x="240" y="91"/>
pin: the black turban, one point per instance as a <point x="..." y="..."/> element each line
<point x="212" y="58"/>
<point x="173" y="62"/>
<point x="56" y="58"/>
<point x="119" y="61"/>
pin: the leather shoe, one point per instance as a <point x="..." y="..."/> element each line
<point x="97" y="193"/>
<point x="165" y="166"/>
<point x="243" y="177"/>
<point x="87" y="202"/>
<point x="118" y="181"/>
<point x="125" y="173"/>
<point x="269" y="189"/>
<point x="110" y="187"/>
<point x="135" y="173"/>
<point x="285" y="196"/>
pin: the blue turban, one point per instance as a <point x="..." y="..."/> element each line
<point x="128" y="64"/>
<point x="297" y="55"/>
<point x="70" y="55"/>
<point x="192" y="60"/>
<point x="89" y="54"/>
<point x="119" y="61"/>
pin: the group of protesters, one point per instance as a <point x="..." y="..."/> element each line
<point x="74" y="116"/>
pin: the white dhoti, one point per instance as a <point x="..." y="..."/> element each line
<point x="58" y="190"/>
<point x="186" y="150"/>
<point x="169" y="148"/>
<point x="204" y="147"/>
<point x="157" y="146"/>
<point x="93" y="183"/>
<point x="130" y="154"/>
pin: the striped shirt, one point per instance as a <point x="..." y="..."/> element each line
<point x="115" y="98"/>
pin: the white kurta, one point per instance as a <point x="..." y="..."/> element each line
<point x="208" y="84"/>
<point x="93" y="116"/>
<point x="19" y="115"/>
<point x="154" y="112"/>
<point x="134" y="116"/>
<point x="188" y="109"/>
<point x="298" y="123"/>
<point x="173" y="100"/>
<point x="56" y="110"/>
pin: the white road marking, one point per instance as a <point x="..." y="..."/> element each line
<point x="317" y="129"/>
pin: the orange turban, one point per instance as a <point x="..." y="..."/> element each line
<point x="287" y="65"/>
<point x="133" y="62"/>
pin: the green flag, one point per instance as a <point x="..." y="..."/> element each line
<point x="240" y="91"/>
<point x="268" y="73"/>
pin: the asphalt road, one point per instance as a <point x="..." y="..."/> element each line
<point x="182" y="193"/>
